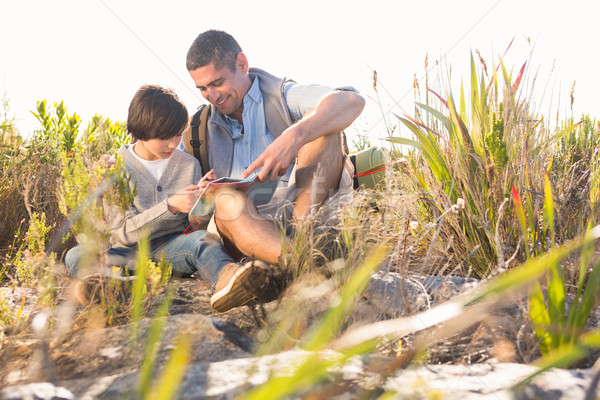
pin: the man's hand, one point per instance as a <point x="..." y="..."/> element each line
<point x="277" y="157"/>
<point x="334" y="113"/>
<point x="184" y="200"/>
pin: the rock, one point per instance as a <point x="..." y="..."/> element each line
<point x="230" y="378"/>
<point x="101" y="352"/>
<point x="488" y="381"/>
<point x="37" y="391"/>
<point x="395" y="295"/>
<point x="104" y="363"/>
<point x="219" y="380"/>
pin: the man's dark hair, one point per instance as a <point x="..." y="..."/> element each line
<point x="217" y="47"/>
<point x="156" y="112"/>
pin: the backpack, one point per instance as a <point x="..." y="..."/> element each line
<point x="194" y="137"/>
<point x="369" y="163"/>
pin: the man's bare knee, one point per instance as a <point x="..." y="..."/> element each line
<point x="229" y="205"/>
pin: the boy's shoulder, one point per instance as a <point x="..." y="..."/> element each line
<point x="178" y="157"/>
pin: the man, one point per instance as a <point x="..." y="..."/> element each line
<point x="274" y="127"/>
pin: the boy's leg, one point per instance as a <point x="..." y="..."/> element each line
<point x="97" y="279"/>
<point x="74" y="259"/>
<point x="80" y="261"/>
<point x="198" y="251"/>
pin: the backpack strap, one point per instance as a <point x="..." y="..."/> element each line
<point x="194" y="138"/>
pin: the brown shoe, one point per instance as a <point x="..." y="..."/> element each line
<point x="238" y="284"/>
<point x="98" y="287"/>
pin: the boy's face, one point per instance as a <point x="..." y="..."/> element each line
<point x="155" y="149"/>
<point x="223" y="88"/>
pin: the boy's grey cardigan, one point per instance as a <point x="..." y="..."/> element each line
<point x="149" y="210"/>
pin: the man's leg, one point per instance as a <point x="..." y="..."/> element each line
<point x="246" y="232"/>
<point x="318" y="171"/>
<point x="233" y="284"/>
<point x="243" y="230"/>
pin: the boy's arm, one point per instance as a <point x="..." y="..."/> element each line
<point x="127" y="226"/>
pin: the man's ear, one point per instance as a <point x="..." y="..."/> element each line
<point x="242" y="62"/>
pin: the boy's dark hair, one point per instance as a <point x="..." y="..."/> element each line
<point x="217" y="47"/>
<point x="156" y="112"/>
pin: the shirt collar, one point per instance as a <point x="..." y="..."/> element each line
<point x="254" y="94"/>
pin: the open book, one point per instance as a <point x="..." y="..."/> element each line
<point x="260" y="192"/>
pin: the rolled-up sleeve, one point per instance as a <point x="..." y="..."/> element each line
<point x="302" y="98"/>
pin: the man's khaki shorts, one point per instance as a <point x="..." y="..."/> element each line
<point x="280" y="208"/>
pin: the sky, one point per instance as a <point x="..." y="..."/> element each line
<point x="94" y="54"/>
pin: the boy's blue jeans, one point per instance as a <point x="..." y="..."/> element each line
<point x="199" y="251"/>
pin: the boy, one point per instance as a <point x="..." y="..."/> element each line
<point x="168" y="183"/>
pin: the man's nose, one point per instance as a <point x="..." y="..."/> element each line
<point x="212" y="94"/>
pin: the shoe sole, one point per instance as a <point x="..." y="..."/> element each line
<point x="89" y="288"/>
<point x="235" y="294"/>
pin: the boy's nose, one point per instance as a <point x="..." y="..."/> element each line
<point x="173" y="143"/>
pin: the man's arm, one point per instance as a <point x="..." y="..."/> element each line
<point x="333" y="113"/>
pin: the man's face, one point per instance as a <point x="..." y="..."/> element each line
<point x="223" y="88"/>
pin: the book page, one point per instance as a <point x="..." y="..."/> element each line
<point x="260" y="192"/>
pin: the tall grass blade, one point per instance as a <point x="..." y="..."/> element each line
<point x="590" y="294"/>
<point x="350" y="292"/>
<point x="587" y="252"/>
<point x="139" y="284"/>
<point x="549" y="209"/>
<point x="438" y="115"/>
<point x="520" y="211"/>
<point x="540" y="319"/>
<point x="153" y="345"/>
<point x="517" y="82"/>
<point x="511" y="282"/>
<point x="169" y="382"/>
<point x="430" y="150"/>
<point x="315" y="366"/>
<point x="565" y="355"/>
<point x="556" y="302"/>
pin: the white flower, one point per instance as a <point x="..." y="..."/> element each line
<point x="413" y="225"/>
<point x="460" y="204"/>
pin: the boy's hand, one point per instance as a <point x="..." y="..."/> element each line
<point x="106" y="161"/>
<point x="206" y="179"/>
<point x="184" y="200"/>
